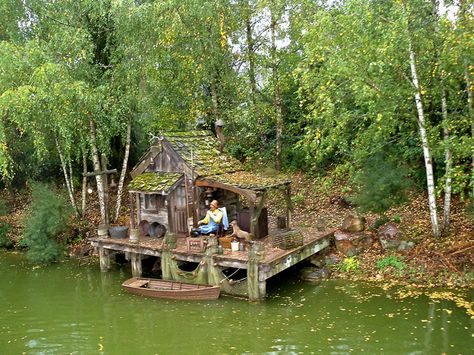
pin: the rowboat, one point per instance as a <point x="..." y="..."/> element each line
<point x="175" y="290"/>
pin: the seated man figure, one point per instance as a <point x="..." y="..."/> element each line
<point x="210" y="223"/>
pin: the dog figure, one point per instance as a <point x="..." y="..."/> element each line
<point x="239" y="233"/>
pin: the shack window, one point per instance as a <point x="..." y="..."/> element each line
<point x="154" y="202"/>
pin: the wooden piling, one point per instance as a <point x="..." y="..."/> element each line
<point x="136" y="262"/>
<point x="104" y="259"/>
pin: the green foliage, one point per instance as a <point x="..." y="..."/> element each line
<point x="4" y="207"/>
<point x="349" y="264"/>
<point x="48" y="218"/>
<point x="379" y="222"/>
<point x="342" y="75"/>
<point x="5" y="241"/>
<point x="469" y="210"/>
<point x="298" y="199"/>
<point x="391" y="261"/>
<point x="382" y="184"/>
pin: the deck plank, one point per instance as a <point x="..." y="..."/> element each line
<point x="271" y="256"/>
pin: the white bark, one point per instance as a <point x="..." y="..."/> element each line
<point x="438" y="11"/>
<point x="124" y="171"/>
<point x="447" y="159"/>
<point x="84" y="181"/>
<point x="425" y="144"/>
<point x="98" y="177"/>
<point x="67" y="178"/>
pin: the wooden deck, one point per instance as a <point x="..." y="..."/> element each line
<point x="270" y="262"/>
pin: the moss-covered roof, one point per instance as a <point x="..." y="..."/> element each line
<point x="199" y="149"/>
<point x="249" y="181"/>
<point x="154" y="182"/>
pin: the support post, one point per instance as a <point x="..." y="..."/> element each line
<point x="132" y="211"/>
<point x="289" y="206"/>
<point x="136" y="261"/>
<point x="104" y="259"/>
<point x="255" y="214"/>
<point x="137" y="201"/>
<point x="256" y="286"/>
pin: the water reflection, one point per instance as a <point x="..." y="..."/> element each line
<point x="72" y="308"/>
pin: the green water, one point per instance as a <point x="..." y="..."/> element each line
<point x="71" y="308"/>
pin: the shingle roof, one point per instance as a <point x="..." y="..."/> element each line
<point x="154" y="181"/>
<point x="199" y="149"/>
<point x="249" y="181"/>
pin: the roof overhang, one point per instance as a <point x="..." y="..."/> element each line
<point x="243" y="183"/>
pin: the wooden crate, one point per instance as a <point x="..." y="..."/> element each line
<point x="288" y="240"/>
<point x="196" y="245"/>
<point x="225" y="242"/>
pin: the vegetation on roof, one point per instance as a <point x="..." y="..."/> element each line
<point x="200" y="150"/>
<point x="154" y="182"/>
<point x="250" y="181"/>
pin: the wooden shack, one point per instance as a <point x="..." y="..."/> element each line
<point x="171" y="189"/>
<point x="182" y="172"/>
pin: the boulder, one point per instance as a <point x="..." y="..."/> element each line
<point x="352" y="243"/>
<point x="405" y="245"/>
<point x="353" y="224"/>
<point x="389" y="236"/>
<point x="315" y="275"/>
<point x="322" y="260"/>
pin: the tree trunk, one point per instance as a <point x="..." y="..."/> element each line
<point x="99" y="178"/>
<point x="84" y="181"/>
<point x="67" y="178"/>
<point x="124" y="170"/>
<point x="438" y="9"/>
<point x="215" y="101"/>
<point x="447" y="159"/>
<point x="252" y="76"/>
<point x="425" y="144"/>
<point x="277" y="102"/>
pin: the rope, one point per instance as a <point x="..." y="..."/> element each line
<point x="236" y="282"/>
<point x="227" y="277"/>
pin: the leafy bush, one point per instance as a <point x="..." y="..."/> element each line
<point x="379" y="222"/>
<point x="397" y="219"/>
<point x="4" y="207"/>
<point x="350" y="264"/>
<point x="298" y="199"/>
<point x="5" y="241"/>
<point x="469" y="210"/>
<point x="47" y="219"/>
<point x="382" y="184"/>
<point x="391" y="261"/>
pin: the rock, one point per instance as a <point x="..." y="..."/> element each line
<point x="332" y="259"/>
<point x="340" y="201"/>
<point x="352" y="243"/>
<point x="353" y="224"/>
<point x="389" y="230"/>
<point x="317" y="260"/>
<point x="320" y="224"/>
<point x="406" y="245"/>
<point x="389" y="236"/>
<point x="315" y="275"/>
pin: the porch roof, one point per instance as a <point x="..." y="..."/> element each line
<point x="243" y="182"/>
